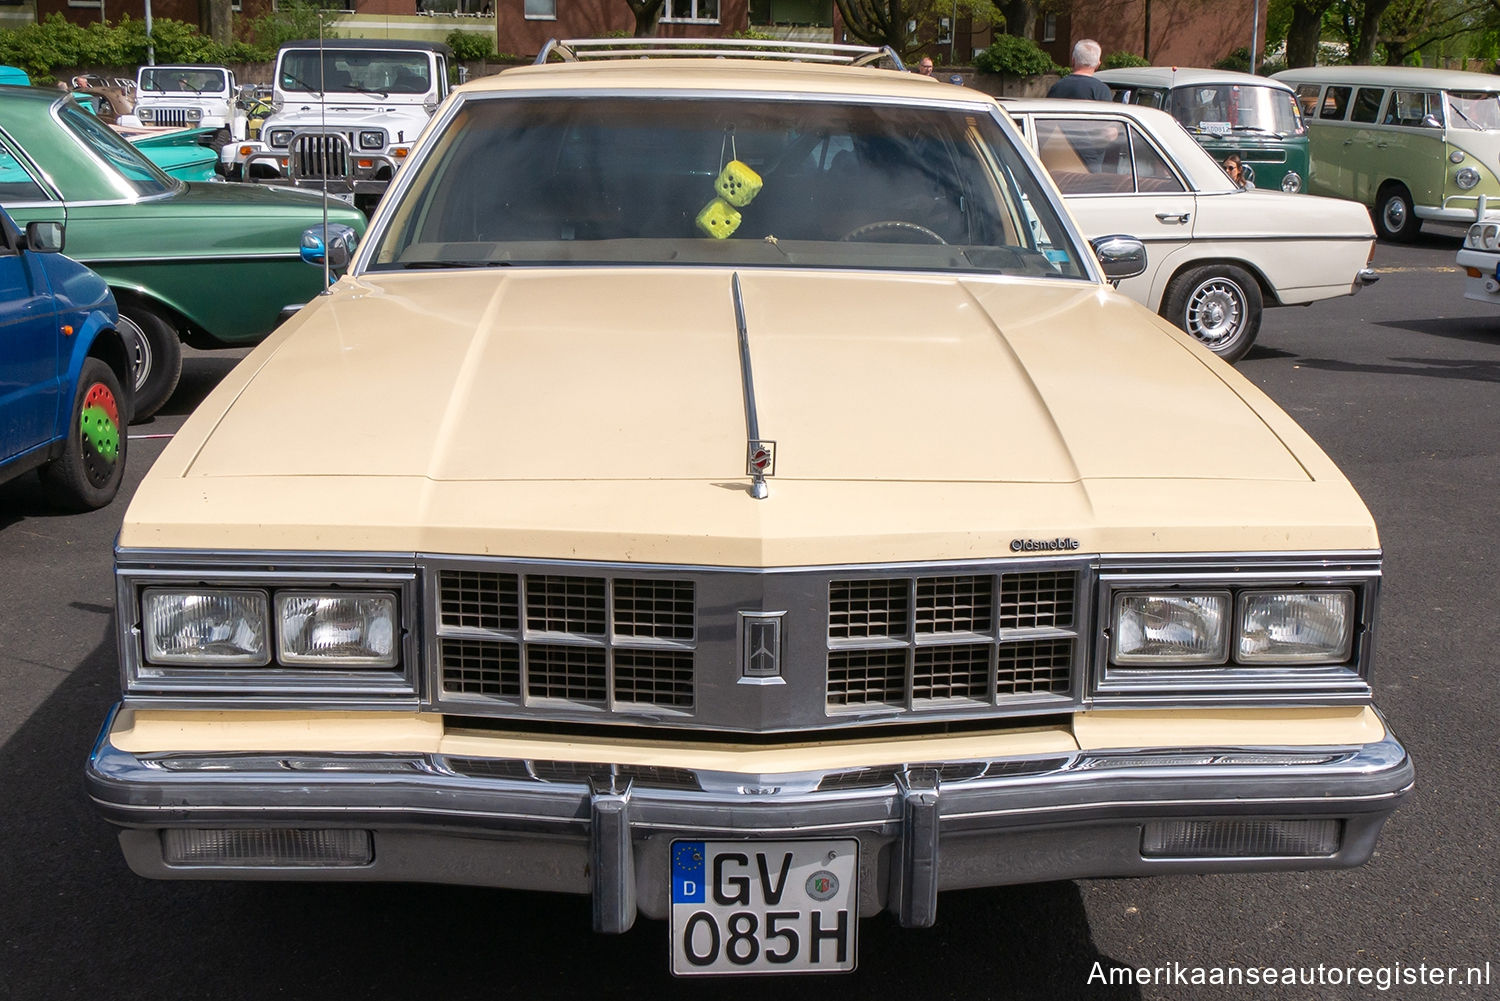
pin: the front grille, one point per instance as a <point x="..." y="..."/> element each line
<point x="928" y="642"/>
<point x="592" y="641"/>
<point x="176" y="118"/>
<point x="320" y="156"/>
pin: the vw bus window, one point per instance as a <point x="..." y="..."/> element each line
<point x="1334" y="102"/>
<point x="1420" y="109"/>
<point x="1478" y="110"/>
<point x="1367" y="105"/>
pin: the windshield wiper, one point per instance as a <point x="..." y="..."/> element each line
<point x="456" y="264"/>
<point x="1256" y="128"/>
<point x="300" y="83"/>
<point x="1459" y="112"/>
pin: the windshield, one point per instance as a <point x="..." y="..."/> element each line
<point x="1474" y="110"/>
<point x="137" y="175"/>
<point x="177" y="78"/>
<point x="345" y="71"/>
<point x="730" y="182"/>
<point x="1222" y="109"/>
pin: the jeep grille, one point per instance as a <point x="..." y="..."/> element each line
<point x="320" y="156"/>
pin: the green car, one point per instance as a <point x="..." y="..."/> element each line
<point x="1255" y="117"/>
<point x="211" y="264"/>
<point x="181" y="154"/>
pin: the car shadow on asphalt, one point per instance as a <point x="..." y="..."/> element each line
<point x="78" y="921"/>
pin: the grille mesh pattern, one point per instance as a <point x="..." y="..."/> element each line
<point x="867" y="676"/>
<point x="514" y="650"/>
<point x="1034" y="667"/>
<point x="1037" y="600"/>
<point x="952" y="672"/>
<point x="923" y="642"/>
<point x="867" y="608"/>
<point x="317" y="155"/>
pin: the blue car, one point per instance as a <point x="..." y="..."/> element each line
<point x="63" y="366"/>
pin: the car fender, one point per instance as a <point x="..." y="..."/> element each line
<point x="1190" y="257"/>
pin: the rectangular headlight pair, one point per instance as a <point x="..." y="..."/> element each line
<point x="233" y="628"/>
<point x="1209" y="628"/>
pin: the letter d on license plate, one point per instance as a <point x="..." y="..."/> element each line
<point x="764" y="906"/>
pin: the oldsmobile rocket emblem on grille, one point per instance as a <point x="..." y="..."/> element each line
<point x="760" y="647"/>
<point x="761" y="459"/>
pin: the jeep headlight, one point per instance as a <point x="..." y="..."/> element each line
<point x="342" y="628"/>
<point x="145" y="114"/>
<point x="1171" y="628"/>
<point x="280" y="137"/>
<point x="1466" y="177"/>
<point x="194" y="114"/>
<point x="371" y="139"/>
<point x="1301" y="627"/>
<point x="1292" y="182"/>
<point x="220" y="628"/>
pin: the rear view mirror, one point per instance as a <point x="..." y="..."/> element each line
<point x="1120" y="256"/>
<point x="44" y="237"/>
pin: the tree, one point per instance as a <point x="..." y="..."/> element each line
<point x="647" y="13"/>
<point x="217" y="19"/>
<point x="1305" y="32"/>
<point x="891" y="22"/>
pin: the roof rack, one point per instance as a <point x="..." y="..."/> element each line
<point x="580" y="49"/>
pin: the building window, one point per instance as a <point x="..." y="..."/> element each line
<point x="945" y="31"/>
<point x="692" y="10"/>
<point x="96" y="4"/>
<point x="1049" y="28"/>
<point x="541" y="10"/>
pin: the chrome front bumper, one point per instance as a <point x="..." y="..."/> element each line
<point x="606" y="830"/>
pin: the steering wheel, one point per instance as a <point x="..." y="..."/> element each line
<point x="892" y="225"/>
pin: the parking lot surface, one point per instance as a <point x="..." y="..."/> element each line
<point x="1400" y="385"/>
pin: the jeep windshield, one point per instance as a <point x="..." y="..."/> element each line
<point x="193" y="80"/>
<point x="350" y="71"/>
<point x="729" y="182"/>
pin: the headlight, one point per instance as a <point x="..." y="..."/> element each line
<point x="1466" y="177"/>
<point x="1247" y="171"/>
<point x="343" y="628"/>
<point x="371" y="139"/>
<point x="206" y="627"/>
<point x="194" y="114"/>
<point x="281" y="137"/>
<point x="1483" y="236"/>
<point x="1302" y="627"/>
<point x="1171" y="628"/>
<point x="1292" y="182"/>
<point x="145" y="114"/>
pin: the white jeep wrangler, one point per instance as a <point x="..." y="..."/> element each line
<point x="344" y="115"/>
<point x="189" y="97"/>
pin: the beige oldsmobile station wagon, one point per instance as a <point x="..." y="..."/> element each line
<point x="729" y="488"/>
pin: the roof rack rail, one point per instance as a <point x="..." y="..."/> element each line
<point x="579" y="49"/>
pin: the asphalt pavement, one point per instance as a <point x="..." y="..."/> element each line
<point x="1400" y="384"/>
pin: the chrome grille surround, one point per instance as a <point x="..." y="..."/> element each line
<point x="660" y="645"/>
<point x="171" y="117"/>
<point x="317" y="156"/>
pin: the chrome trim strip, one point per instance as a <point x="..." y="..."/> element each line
<point x="758" y="488"/>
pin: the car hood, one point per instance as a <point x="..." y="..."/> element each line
<point x="392" y="116"/>
<point x="1014" y="405"/>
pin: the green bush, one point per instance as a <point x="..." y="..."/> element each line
<point x="471" y="47"/>
<point x="291" y="21"/>
<point x="1012" y="56"/>
<point x="56" y="42"/>
<point x="1238" y="60"/>
<point x="1122" y="60"/>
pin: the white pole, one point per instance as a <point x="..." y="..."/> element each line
<point x="1254" y="32"/>
<point x="150" y="42"/>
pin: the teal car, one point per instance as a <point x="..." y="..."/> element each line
<point x="182" y="153"/>
<point x="211" y="264"/>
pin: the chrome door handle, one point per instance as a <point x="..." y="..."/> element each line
<point x="1348" y="142"/>
<point x="1177" y="217"/>
<point x="1381" y="145"/>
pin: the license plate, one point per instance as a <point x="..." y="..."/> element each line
<point x="764" y="906"/>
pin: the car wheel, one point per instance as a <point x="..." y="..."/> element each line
<point x="155" y="357"/>
<point x="220" y="139"/>
<point x="1395" y="218"/>
<point x="1220" y="305"/>
<point x="88" y="473"/>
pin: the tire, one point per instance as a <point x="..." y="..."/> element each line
<point x="155" y="357"/>
<point x="220" y="139"/>
<point x="88" y="473"/>
<point x="1395" y="218"/>
<point x="1220" y="305"/>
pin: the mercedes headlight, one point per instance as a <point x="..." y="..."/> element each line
<point x="371" y="139"/>
<point x="1466" y="177"/>
<point x="1163" y="629"/>
<point x="1483" y="236"/>
<point x="1300" y="627"/>
<point x="1292" y="182"/>
<point x="221" y="628"/>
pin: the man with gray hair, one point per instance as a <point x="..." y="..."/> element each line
<point x="1081" y="84"/>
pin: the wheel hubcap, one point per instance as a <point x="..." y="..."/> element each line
<point x="99" y="431"/>
<point x="140" y="351"/>
<point x="1216" y="311"/>
<point x="1395" y="214"/>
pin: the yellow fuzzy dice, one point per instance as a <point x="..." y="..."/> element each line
<point x="737" y="184"/>
<point x="719" y="219"/>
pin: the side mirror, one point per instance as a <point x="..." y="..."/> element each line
<point x="336" y="251"/>
<point x="1120" y="256"/>
<point x="44" y="237"/>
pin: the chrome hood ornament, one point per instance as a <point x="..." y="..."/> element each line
<point x="760" y="455"/>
